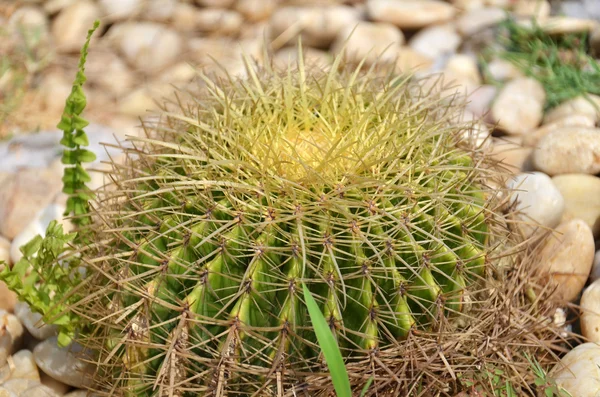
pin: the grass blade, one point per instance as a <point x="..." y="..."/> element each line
<point x="329" y="346"/>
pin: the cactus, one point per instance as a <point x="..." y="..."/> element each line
<point x="352" y="185"/>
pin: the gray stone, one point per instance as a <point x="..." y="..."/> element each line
<point x="64" y="364"/>
<point x="33" y="322"/>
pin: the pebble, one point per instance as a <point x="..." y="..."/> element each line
<point x="160" y="10"/>
<point x="567" y="256"/>
<point x="215" y="3"/>
<point x="219" y="21"/>
<point x="4" y="250"/>
<point x="480" y="101"/>
<point x="569" y="150"/>
<point x="318" y="26"/>
<point x="63" y="364"/>
<point x="20" y="366"/>
<point x="582" y="198"/>
<point x="11" y="335"/>
<point x="436" y="41"/>
<point x="53" y="384"/>
<point x="410" y="14"/>
<point x="466" y="5"/>
<point x="6" y="393"/>
<point x="532" y="138"/>
<point x="538" y="9"/>
<point x="18" y="386"/>
<point x="513" y="156"/>
<point x="478" y="19"/>
<point x="54" y="90"/>
<point x="116" y="10"/>
<point x="185" y="15"/>
<point x="147" y="46"/>
<point x="567" y="25"/>
<point x="70" y="27"/>
<point x="590" y="312"/>
<point x="33" y="322"/>
<point x="39" y="391"/>
<point x="538" y="201"/>
<point x="32" y="19"/>
<point x="595" y="42"/>
<point x="410" y="60"/>
<point x="288" y="56"/>
<point x="578" y="372"/>
<point x="519" y="106"/>
<point x="106" y="70"/>
<point x="503" y="70"/>
<point x="582" y="105"/>
<point x="23" y="196"/>
<point x="374" y="42"/>
<point x="256" y="10"/>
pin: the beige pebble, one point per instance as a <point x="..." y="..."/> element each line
<point x="582" y="198"/>
<point x="256" y="10"/>
<point x="478" y="19"/>
<point x="582" y="105"/>
<point x="532" y="138"/>
<point x="590" y="312"/>
<point x="218" y="21"/>
<point x="374" y="42"/>
<point x="410" y="60"/>
<point x="569" y="150"/>
<point x="519" y="106"/>
<point x="318" y="26"/>
<point x="566" y="25"/>
<point x="567" y="256"/>
<point x="435" y="41"/>
<point x="539" y="203"/>
<point x="20" y="365"/>
<point x="70" y="27"/>
<point x="538" y="9"/>
<point x="578" y="372"/>
<point x="410" y="14"/>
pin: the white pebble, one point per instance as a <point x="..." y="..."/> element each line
<point x="33" y="322"/>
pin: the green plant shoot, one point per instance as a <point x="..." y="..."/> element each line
<point x="331" y="351"/>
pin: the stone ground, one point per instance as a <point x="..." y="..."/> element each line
<point x="145" y="48"/>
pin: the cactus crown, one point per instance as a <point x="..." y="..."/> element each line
<point x="350" y="184"/>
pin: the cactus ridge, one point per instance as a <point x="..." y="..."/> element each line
<point x="352" y="185"/>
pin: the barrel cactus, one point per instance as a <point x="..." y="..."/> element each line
<point x="358" y="186"/>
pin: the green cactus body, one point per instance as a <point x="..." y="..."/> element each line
<point x="353" y="186"/>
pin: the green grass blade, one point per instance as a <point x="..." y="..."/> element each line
<point x="365" y="389"/>
<point x="329" y="346"/>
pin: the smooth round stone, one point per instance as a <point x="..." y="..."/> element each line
<point x="318" y="26"/>
<point x="519" y="106"/>
<point x="63" y="364"/>
<point x="582" y="198"/>
<point x="6" y="393"/>
<point x="567" y="25"/>
<point x="466" y="5"/>
<point x="590" y="312"/>
<point x="33" y="322"/>
<point x="538" y="201"/>
<point x="538" y="9"/>
<point x="159" y="10"/>
<point x="4" y="251"/>
<point x="569" y="150"/>
<point x="567" y="256"/>
<point x="108" y="71"/>
<point x="53" y="384"/>
<point x="256" y="10"/>
<point x="532" y="138"/>
<point x="22" y="367"/>
<point x="478" y="19"/>
<point x="436" y="41"/>
<point x="185" y="15"/>
<point x="215" y="3"/>
<point x="588" y="106"/>
<point x="578" y="372"/>
<point x="216" y="20"/>
<point x="410" y="14"/>
<point x="39" y="391"/>
<point x="410" y="60"/>
<point x="54" y="6"/>
<point x="31" y="18"/>
<point x="288" y="57"/>
<point x="8" y="298"/>
<point x="147" y="46"/>
<point x="24" y="195"/>
<point x="595" y="42"/>
<point x="70" y="27"/>
<point x="11" y="335"/>
<point x="465" y="67"/>
<point x="374" y="42"/>
<point x="18" y="386"/>
<point x="115" y="10"/>
<point x="503" y="70"/>
<point x="480" y="100"/>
